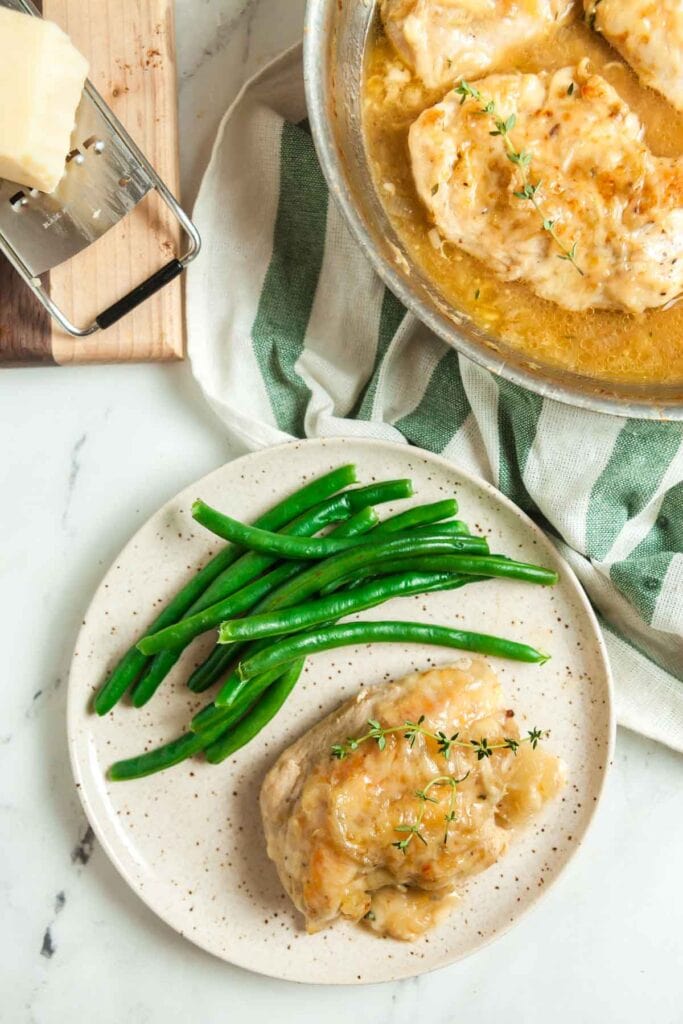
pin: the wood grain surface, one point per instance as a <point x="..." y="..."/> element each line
<point x="25" y="330"/>
<point x="130" y="47"/>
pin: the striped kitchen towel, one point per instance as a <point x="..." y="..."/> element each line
<point x="292" y="334"/>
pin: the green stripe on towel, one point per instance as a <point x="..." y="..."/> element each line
<point x="629" y="481"/>
<point x="518" y="415"/>
<point x="289" y="289"/>
<point x="640" y="577"/>
<point x="442" y="410"/>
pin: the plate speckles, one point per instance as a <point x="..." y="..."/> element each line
<point x="189" y="841"/>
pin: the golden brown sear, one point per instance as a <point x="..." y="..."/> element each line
<point x="351" y="837"/>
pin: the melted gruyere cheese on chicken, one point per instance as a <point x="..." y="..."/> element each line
<point x="331" y="825"/>
<point x="444" y="40"/>
<point x="517" y="324"/>
<point x="600" y="186"/>
<point x="649" y="35"/>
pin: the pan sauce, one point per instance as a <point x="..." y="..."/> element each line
<point x="617" y="346"/>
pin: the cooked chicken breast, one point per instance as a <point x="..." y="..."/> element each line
<point x="649" y="35"/>
<point x="600" y="186"/>
<point x="332" y="825"/>
<point x="444" y="40"/>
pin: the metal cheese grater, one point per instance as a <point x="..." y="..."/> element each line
<point x="106" y="177"/>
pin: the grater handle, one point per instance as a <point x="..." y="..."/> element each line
<point x="139" y="294"/>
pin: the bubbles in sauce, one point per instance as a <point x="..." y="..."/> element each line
<point x="614" y="346"/>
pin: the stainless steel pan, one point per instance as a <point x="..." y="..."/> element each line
<point x="334" y="46"/>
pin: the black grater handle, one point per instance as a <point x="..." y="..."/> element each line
<point x="140" y="294"/>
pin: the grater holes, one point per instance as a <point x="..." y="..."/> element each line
<point x="97" y="145"/>
<point x="18" y="201"/>
<point x="75" y="156"/>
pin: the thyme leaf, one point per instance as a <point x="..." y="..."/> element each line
<point x="410" y="732"/>
<point x="522" y="160"/>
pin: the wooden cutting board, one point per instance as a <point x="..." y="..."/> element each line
<point x="130" y="47"/>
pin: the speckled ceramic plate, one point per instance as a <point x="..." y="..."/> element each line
<point x="189" y="841"/>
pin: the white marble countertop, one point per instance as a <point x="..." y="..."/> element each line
<point x="87" y="454"/>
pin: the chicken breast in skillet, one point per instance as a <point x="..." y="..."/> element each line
<point x="600" y="187"/>
<point x="333" y="826"/>
<point x="649" y="35"/>
<point x="444" y="40"/>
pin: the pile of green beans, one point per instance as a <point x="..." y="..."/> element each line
<point x="133" y="661"/>
<point x="251" y="565"/>
<point x="276" y="594"/>
<point x="214" y="667"/>
<point x="180" y="634"/>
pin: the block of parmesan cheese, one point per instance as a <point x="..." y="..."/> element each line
<point x="41" y="80"/>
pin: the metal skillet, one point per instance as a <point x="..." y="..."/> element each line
<point x="335" y="39"/>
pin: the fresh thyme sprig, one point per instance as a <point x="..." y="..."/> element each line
<point x="410" y="731"/>
<point x="415" y="830"/>
<point x="522" y="160"/>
